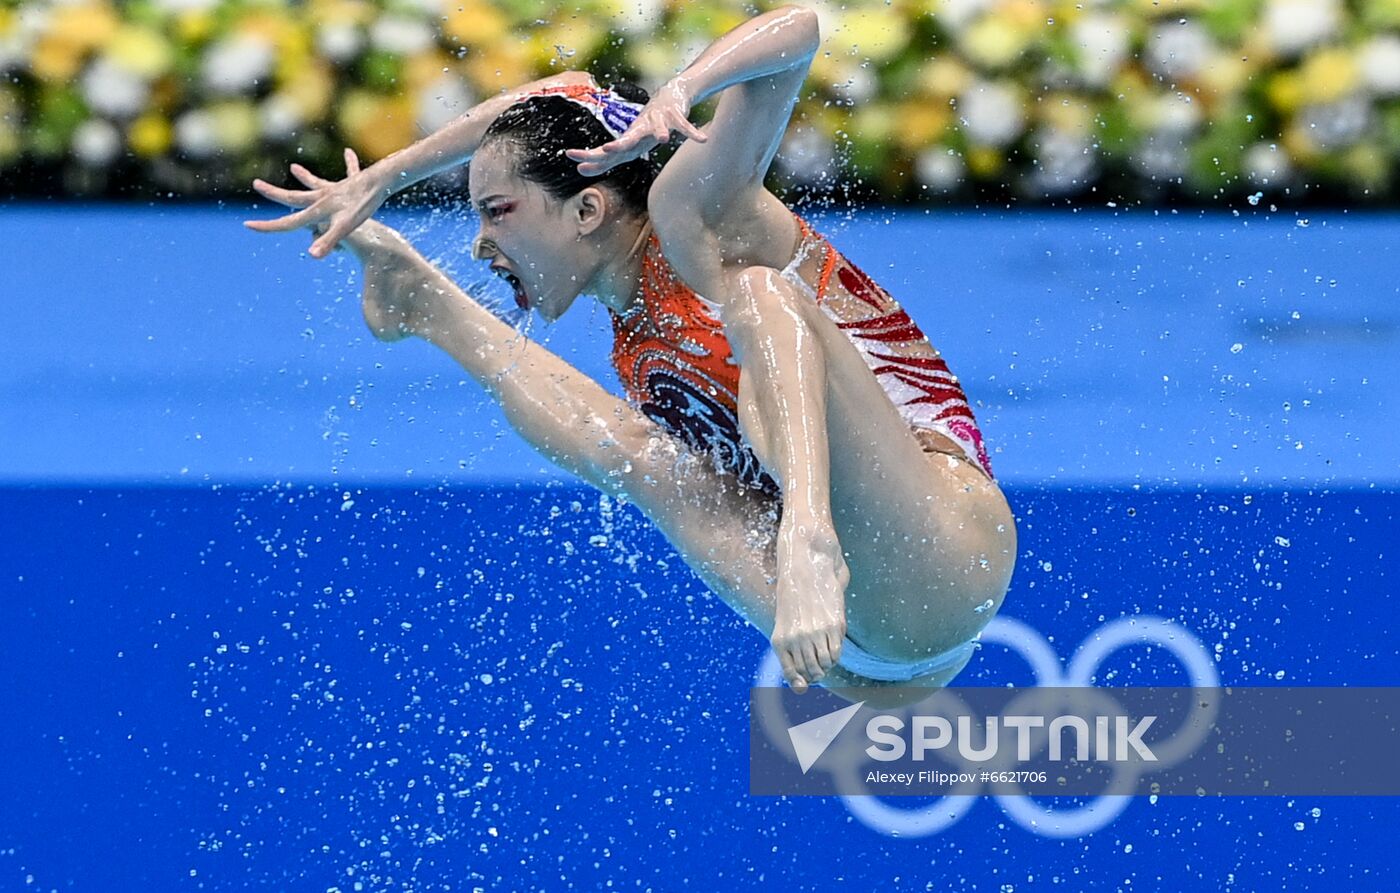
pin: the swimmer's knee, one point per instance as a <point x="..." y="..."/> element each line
<point x="758" y="298"/>
<point x="758" y="288"/>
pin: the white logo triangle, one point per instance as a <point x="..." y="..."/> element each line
<point x="811" y="738"/>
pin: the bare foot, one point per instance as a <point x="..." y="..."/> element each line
<point x="391" y="301"/>
<point x="810" y="620"/>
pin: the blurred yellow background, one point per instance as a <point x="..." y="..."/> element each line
<point x="917" y="100"/>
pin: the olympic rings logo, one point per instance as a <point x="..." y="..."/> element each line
<point x="877" y="814"/>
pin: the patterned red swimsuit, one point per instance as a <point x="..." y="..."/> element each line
<point x="677" y="367"/>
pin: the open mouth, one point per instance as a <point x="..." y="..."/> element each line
<point x="521" y="300"/>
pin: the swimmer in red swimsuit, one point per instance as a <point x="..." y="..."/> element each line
<point x="763" y="370"/>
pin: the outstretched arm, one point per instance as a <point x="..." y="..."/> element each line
<point x="335" y="208"/>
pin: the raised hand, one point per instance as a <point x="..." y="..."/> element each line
<point x="330" y="208"/>
<point x="667" y="113"/>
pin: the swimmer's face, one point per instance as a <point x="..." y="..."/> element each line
<point x="532" y="239"/>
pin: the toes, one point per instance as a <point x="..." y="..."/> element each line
<point x="810" y="664"/>
<point x="793" y="676"/>
<point x="822" y="648"/>
<point x="834" y="647"/>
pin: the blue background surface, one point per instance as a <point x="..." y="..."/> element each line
<point x="287" y="609"/>
<point x="173" y="345"/>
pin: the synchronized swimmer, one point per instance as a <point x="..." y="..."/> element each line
<point x="740" y="334"/>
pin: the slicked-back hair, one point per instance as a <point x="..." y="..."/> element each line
<point x="539" y="130"/>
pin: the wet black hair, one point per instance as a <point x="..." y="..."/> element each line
<point x="541" y="128"/>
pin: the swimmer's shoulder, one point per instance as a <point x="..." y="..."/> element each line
<point x="760" y="232"/>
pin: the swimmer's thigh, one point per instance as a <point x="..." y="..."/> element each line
<point x="929" y="539"/>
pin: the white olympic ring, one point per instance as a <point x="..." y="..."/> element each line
<point x="872" y="811"/>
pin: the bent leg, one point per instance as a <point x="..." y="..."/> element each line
<point x="929" y="540"/>
<point x="782" y="411"/>
<point x="723" y="532"/>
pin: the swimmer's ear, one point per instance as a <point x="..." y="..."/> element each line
<point x="589" y="207"/>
